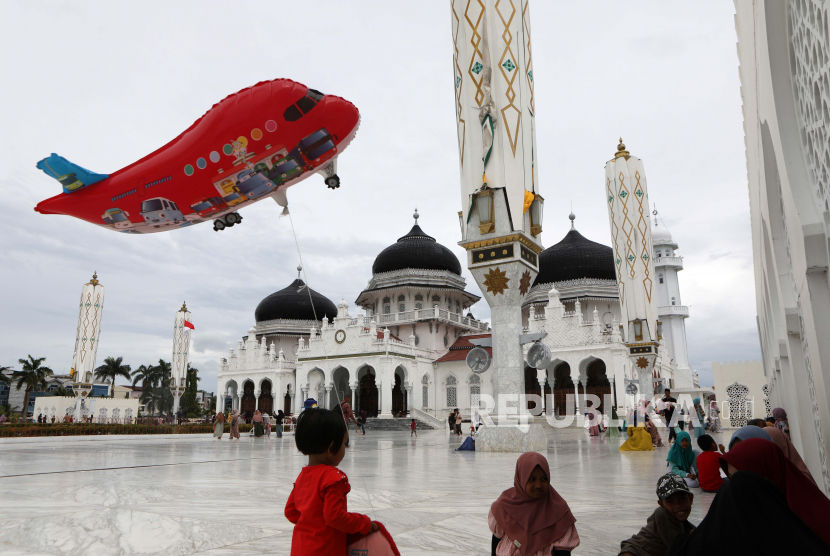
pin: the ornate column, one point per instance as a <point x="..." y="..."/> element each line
<point x="327" y="402"/>
<point x="303" y="398"/>
<point x="575" y="380"/>
<point x="257" y="393"/>
<point x="408" y="387"/>
<point x="385" y="390"/>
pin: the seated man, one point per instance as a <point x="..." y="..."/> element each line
<point x="668" y="521"/>
<point x="708" y="466"/>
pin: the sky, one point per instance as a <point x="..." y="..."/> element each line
<point x="105" y="83"/>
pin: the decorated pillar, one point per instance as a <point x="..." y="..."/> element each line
<point x="626" y="194"/>
<point x="501" y="208"/>
<point x="87" y="333"/>
<point x="182" y="325"/>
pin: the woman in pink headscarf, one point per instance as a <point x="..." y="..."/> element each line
<point x="531" y="519"/>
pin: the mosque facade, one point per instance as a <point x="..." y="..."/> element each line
<point x="783" y="48"/>
<point x="405" y="353"/>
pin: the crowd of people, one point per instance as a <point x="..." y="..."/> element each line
<point x="262" y="423"/>
<point x="759" y="480"/>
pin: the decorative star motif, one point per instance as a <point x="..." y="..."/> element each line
<point x="508" y="65"/>
<point x="477" y="67"/>
<point x="457" y="82"/>
<point x="642" y="362"/>
<point x="530" y="75"/>
<point x="623" y="194"/>
<point x="524" y="283"/>
<point x="496" y="281"/>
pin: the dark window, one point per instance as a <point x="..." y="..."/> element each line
<point x="292" y="114"/>
<point x="152" y="205"/>
<point x="316" y="95"/>
<point x="205" y="205"/>
<point x="306" y="104"/>
<point x="112" y="218"/>
<point x="314" y="138"/>
<point x="286" y="165"/>
<point x="231" y="198"/>
<point x="320" y="149"/>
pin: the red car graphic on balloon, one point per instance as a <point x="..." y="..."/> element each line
<point x="233" y="156"/>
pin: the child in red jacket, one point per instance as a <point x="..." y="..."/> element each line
<point x="317" y="505"/>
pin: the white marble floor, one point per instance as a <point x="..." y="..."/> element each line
<point x="198" y="496"/>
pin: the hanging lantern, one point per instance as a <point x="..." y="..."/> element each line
<point x="484" y="205"/>
<point x="537" y="209"/>
<point x="638" y="330"/>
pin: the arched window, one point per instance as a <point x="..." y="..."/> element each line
<point x="452" y="398"/>
<point x="425" y="391"/>
<point x="661" y="278"/>
<point x="387" y="305"/>
<point x="419" y="297"/>
<point x="673" y="301"/>
<point x="475" y="391"/>
<point x="419" y="306"/>
<point x="436" y="298"/>
<point x="401" y="303"/>
<point x="738" y="411"/>
<point x="457" y="307"/>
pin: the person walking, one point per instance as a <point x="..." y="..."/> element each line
<point x="714" y="418"/>
<point x="266" y="424"/>
<point x="235" y="425"/>
<point x="219" y="425"/>
<point x="458" y="420"/>
<point x="280" y="416"/>
<point x="257" y="424"/>
<point x="413" y="429"/>
<point x="697" y="422"/>
<point x="363" y="417"/>
<point x="668" y="413"/>
<point x="451" y="421"/>
<point x="348" y="414"/>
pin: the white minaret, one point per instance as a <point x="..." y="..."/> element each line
<point x="501" y="209"/>
<point x="628" y="213"/>
<point x="90" y="312"/>
<point x="670" y="309"/>
<point x="182" y="325"/>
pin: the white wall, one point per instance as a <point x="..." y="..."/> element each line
<point x="748" y="373"/>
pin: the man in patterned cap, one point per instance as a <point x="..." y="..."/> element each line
<point x="668" y="521"/>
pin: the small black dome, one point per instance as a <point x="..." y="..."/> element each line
<point x="293" y="303"/>
<point x="573" y="258"/>
<point x="416" y="250"/>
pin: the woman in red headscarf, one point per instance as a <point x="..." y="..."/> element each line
<point x="531" y="519"/>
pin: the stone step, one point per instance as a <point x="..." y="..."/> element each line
<point x="397" y="424"/>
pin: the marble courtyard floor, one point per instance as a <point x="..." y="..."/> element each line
<point x="176" y="496"/>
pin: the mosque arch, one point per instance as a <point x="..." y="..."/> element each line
<point x="340" y="381"/>
<point x="451" y="390"/>
<point x="399" y="401"/>
<point x="230" y="388"/>
<point x="594" y="379"/>
<point x="367" y="390"/>
<point x="248" y="404"/>
<point x="265" y="402"/>
<point x="425" y="390"/>
<point x="563" y="386"/>
<point x="316" y="385"/>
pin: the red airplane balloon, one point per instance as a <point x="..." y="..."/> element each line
<point x="252" y="145"/>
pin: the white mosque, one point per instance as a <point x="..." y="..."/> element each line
<point x="405" y="353"/>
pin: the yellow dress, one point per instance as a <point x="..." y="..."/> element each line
<point x="639" y="440"/>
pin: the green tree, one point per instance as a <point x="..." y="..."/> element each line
<point x="189" y="404"/>
<point x="5" y="378"/>
<point x="32" y="375"/>
<point x="155" y="386"/>
<point x="61" y="391"/>
<point x="111" y="369"/>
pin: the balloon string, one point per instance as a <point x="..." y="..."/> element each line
<point x="325" y="353"/>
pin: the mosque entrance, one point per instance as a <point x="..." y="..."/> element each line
<point x="266" y="400"/>
<point x="563" y="386"/>
<point x="398" y="397"/>
<point x="286" y="402"/>
<point x="532" y="388"/>
<point x="368" y="398"/>
<point x="248" y="399"/>
<point x="597" y="382"/>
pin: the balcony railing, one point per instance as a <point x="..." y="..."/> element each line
<point x="668" y="261"/>
<point x="426" y="314"/>
<point x="669" y="310"/>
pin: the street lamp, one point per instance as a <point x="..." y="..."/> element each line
<point x="537" y="209"/>
<point x="484" y="205"/>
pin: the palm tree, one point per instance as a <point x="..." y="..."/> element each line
<point x="111" y="369"/>
<point x="155" y="384"/>
<point x="143" y="375"/>
<point x="32" y="376"/>
<point x="4" y="378"/>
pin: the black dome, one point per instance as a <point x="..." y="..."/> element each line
<point x="416" y="250"/>
<point x="293" y="303"/>
<point x="573" y="258"/>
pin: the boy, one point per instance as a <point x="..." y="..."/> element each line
<point x="666" y="523"/>
<point x="317" y="505"/>
<point x="708" y="466"/>
<point x="412" y="426"/>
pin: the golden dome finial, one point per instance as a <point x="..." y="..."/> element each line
<point x="184" y="307"/>
<point x="621" y="150"/>
<point x="94" y="280"/>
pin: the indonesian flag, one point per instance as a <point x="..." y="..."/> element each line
<point x="189" y="325"/>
